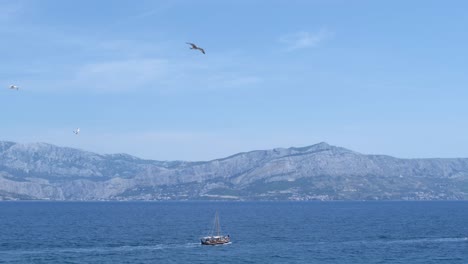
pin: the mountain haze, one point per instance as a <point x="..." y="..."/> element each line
<point x="318" y="172"/>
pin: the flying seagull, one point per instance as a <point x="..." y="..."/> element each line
<point x="76" y="131"/>
<point x="195" y="47"/>
<point x="14" y="87"/>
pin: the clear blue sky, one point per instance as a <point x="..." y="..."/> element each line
<point x="382" y="77"/>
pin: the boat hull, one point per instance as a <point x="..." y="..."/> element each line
<point x="215" y="240"/>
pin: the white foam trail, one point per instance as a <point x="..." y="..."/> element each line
<point x="98" y="249"/>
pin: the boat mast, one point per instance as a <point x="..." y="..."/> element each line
<point x="217" y="223"/>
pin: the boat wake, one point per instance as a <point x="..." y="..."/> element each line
<point x="103" y="249"/>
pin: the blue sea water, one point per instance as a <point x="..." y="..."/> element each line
<point x="261" y="232"/>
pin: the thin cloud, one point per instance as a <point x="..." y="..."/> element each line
<point x="137" y="75"/>
<point x="232" y="80"/>
<point x="127" y="48"/>
<point x="304" y="39"/>
<point x="161" y="7"/>
<point x="164" y="75"/>
<point x="121" y="75"/>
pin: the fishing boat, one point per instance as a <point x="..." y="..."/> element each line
<point x="217" y="239"/>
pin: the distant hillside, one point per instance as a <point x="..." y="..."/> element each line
<point x="317" y="172"/>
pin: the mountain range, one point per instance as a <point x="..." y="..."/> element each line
<point x="41" y="171"/>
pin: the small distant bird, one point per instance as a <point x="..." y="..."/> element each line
<point x="14" y="87"/>
<point x="76" y="131"/>
<point x="195" y="47"/>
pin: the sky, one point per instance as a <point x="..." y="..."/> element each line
<point x="376" y="77"/>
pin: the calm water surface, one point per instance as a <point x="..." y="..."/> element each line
<point x="261" y="232"/>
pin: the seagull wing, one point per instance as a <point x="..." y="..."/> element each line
<point x="193" y="45"/>
<point x="202" y="50"/>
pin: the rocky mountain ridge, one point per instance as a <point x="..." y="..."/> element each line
<point x="42" y="171"/>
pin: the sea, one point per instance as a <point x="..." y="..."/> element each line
<point x="261" y="232"/>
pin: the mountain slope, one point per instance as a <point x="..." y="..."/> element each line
<point x="321" y="171"/>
